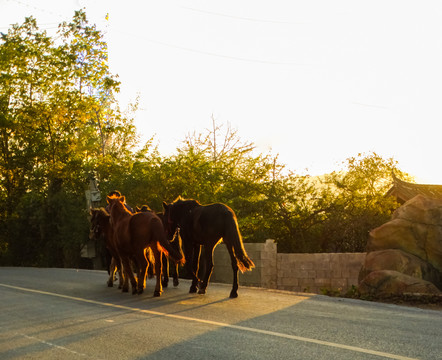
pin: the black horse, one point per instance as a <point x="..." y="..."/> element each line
<point x="207" y="225"/>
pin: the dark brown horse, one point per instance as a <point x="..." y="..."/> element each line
<point x="133" y="234"/>
<point x="102" y="229"/>
<point x="173" y="266"/>
<point x="167" y="265"/>
<point x="207" y="225"/>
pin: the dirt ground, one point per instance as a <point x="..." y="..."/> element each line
<point x="431" y="302"/>
<point x="416" y="303"/>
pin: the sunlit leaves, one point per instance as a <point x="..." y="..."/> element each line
<point x="60" y="122"/>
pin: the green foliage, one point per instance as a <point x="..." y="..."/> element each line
<point x="358" y="202"/>
<point x="335" y="213"/>
<point x="61" y="125"/>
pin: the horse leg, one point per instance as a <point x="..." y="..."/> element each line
<point x="158" y="268"/>
<point x="234" y="292"/>
<point x="175" y="275"/>
<point x="208" y="255"/>
<point x="193" y="267"/>
<point x="143" y="265"/>
<point x="165" y="280"/>
<point x="150" y="270"/>
<point x="112" y="269"/>
<point x="128" y="275"/>
<point x="120" y="274"/>
<point x="125" y="278"/>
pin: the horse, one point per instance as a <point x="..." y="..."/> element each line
<point x="166" y="263"/>
<point x="174" y="239"/>
<point x="133" y="234"/>
<point x="207" y="225"/>
<point x="101" y="228"/>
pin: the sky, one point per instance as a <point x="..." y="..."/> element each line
<point x="314" y="82"/>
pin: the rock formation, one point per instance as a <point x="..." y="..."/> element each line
<point x="405" y="254"/>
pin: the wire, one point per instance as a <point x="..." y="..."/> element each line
<point x="237" y="58"/>
<point x="36" y="8"/>
<point x="183" y="48"/>
<point x="241" y="18"/>
<point x="369" y="105"/>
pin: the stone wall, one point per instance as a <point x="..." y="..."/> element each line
<point x="294" y="272"/>
<point x="316" y="272"/>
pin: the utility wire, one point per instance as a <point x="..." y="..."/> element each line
<point x="36" y="8"/>
<point x="242" y="18"/>
<point x="183" y="48"/>
<point x="208" y="53"/>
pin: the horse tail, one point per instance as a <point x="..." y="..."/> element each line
<point x="233" y="238"/>
<point x="175" y="252"/>
<point x="150" y="259"/>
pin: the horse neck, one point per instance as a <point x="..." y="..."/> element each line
<point x="118" y="213"/>
<point x="105" y="222"/>
<point x="189" y="206"/>
<point x="186" y="213"/>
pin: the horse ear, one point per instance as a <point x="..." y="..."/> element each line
<point x="107" y="199"/>
<point x="165" y="206"/>
<point x="122" y="199"/>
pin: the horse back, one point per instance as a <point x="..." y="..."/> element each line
<point x="144" y="226"/>
<point x="211" y="220"/>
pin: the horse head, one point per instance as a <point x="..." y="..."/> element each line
<point x="99" y="220"/>
<point x="143" y="208"/>
<point x="117" y="204"/>
<point x="169" y="225"/>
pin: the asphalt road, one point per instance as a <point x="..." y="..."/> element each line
<point x="72" y="314"/>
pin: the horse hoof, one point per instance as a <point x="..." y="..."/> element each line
<point x="157" y="293"/>
<point x="165" y="283"/>
<point x="125" y="290"/>
<point x="109" y="284"/>
<point x="233" y="294"/>
<point x="140" y="291"/>
<point x="192" y="290"/>
<point x="175" y="282"/>
<point x="202" y="291"/>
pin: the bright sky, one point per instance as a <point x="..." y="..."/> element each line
<point x="313" y="81"/>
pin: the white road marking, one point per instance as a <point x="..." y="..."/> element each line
<point x="51" y="344"/>
<point x="218" y="324"/>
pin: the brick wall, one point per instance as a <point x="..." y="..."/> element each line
<point x="294" y="272"/>
<point x="313" y="272"/>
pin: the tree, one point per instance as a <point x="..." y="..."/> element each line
<point x="357" y="202"/>
<point x="60" y="124"/>
<point x="333" y="213"/>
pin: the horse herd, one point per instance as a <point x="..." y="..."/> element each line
<point x="182" y="232"/>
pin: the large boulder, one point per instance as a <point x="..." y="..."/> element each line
<point x="416" y="228"/>
<point x="421" y="209"/>
<point x="399" y="234"/>
<point x="402" y="262"/>
<point x="410" y="244"/>
<point x="384" y="283"/>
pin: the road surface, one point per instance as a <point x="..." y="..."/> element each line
<point x="72" y="314"/>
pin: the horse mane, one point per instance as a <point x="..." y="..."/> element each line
<point x="101" y="210"/>
<point x="188" y="202"/>
<point x="121" y="200"/>
<point x="143" y="208"/>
